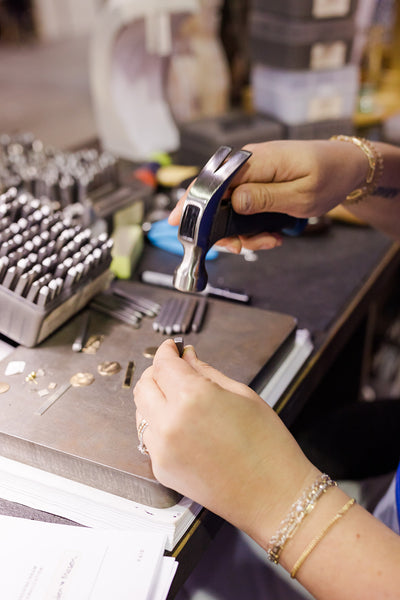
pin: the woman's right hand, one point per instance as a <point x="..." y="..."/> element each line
<point x="300" y="178"/>
<point x="215" y="440"/>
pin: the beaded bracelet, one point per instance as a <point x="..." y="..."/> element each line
<point x="297" y="513"/>
<point x="375" y="170"/>
<point x="319" y="537"/>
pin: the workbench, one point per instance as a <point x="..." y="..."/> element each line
<point x="333" y="282"/>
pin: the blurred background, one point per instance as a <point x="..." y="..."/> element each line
<point x="216" y="56"/>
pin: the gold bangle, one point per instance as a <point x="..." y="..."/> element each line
<point x="319" y="537"/>
<point x="375" y="167"/>
<point x="297" y="513"/>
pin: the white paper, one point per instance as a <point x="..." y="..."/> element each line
<point x="285" y="373"/>
<point x="89" y="506"/>
<point x="46" y="561"/>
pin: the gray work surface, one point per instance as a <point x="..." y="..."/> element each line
<point x="89" y="433"/>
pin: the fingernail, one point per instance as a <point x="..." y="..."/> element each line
<point x="171" y="215"/>
<point x="271" y="243"/>
<point x="243" y="200"/>
<point x="235" y="249"/>
<point x="189" y="352"/>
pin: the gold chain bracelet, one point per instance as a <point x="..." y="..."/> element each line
<point x="375" y="167"/>
<point x="319" y="537"/>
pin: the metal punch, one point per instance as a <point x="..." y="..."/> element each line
<point x="208" y="216"/>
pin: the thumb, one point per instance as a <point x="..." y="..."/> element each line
<point x="285" y="197"/>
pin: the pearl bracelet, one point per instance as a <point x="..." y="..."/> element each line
<point x="375" y="164"/>
<point x="297" y="513"/>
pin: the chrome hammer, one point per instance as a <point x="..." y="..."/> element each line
<point x="208" y="216"/>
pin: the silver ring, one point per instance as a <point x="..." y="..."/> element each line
<point x="142" y="446"/>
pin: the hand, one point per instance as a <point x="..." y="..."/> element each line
<point x="300" y="178"/>
<point x="216" y="441"/>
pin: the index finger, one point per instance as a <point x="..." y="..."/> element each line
<point x="169" y="370"/>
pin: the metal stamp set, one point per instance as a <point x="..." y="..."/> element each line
<point x="66" y="179"/>
<point x="51" y="260"/>
<point x="86" y="184"/>
<point x="174" y="316"/>
<point x="49" y="267"/>
<point x="181" y="315"/>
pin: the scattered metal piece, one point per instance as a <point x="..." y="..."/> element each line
<point x="15" y="367"/>
<point x="81" y="379"/>
<point x="31" y="377"/>
<point x="53" y="398"/>
<point x="93" y="344"/>
<point x="43" y="392"/>
<point x="129" y="374"/>
<point x="109" y="367"/>
<point x="52" y="385"/>
<point x="4" y="387"/>
<point x="150" y="351"/>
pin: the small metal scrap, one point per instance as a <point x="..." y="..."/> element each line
<point x="109" y="367"/>
<point x="4" y="387"/>
<point x="150" y="351"/>
<point x="129" y="374"/>
<point x="93" y="344"/>
<point x="53" y="398"/>
<point x="31" y="377"/>
<point x="52" y="385"/>
<point x="81" y="379"/>
<point x="15" y="367"/>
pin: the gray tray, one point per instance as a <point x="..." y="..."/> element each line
<point x="89" y="434"/>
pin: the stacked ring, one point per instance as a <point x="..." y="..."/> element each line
<point x="141" y="446"/>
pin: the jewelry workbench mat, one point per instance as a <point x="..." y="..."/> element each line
<point x="89" y="434"/>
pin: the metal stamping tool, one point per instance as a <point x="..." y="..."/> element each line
<point x="180" y="344"/>
<point x="199" y="315"/>
<point x="129" y="374"/>
<point x="80" y="339"/>
<point x="208" y="216"/>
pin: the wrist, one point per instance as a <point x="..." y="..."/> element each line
<point x="278" y="502"/>
<point x="327" y="507"/>
<point x="372" y="161"/>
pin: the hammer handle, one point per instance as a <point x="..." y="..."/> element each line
<point x="238" y="224"/>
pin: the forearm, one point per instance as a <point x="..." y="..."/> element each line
<point x="382" y="208"/>
<point x="214" y="440"/>
<point x="357" y="559"/>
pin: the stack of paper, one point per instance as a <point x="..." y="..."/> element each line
<point x="89" y="506"/>
<point x="44" y="561"/>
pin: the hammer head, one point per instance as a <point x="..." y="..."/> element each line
<point x="204" y="217"/>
